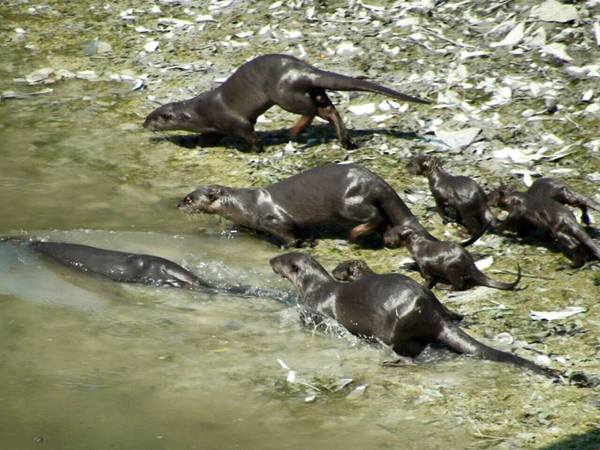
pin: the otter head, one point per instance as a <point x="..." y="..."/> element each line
<point x="351" y="270"/>
<point x="172" y="116"/>
<point x="398" y="236"/>
<point x="300" y="269"/>
<point x="422" y="164"/>
<point x="206" y="199"/>
<point x="500" y="197"/>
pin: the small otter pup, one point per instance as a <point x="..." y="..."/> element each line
<point x="444" y="261"/>
<point x="560" y="192"/>
<point x="458" y="192"/>
<point x="346" y="196"/>
<point x="354" y="269"/>
<point x="405" y="316"/>
<point x="282" y="80"/>
<point x="535" y="211"/>
<point x="351" y="270"/>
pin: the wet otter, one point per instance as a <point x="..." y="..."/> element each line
<point x="444" y="261"/>
<point x="405" y="316"/>
<point x="282" y="80"/>
<point x="526" y="211"/>
<point x="120" y="266"/>
<point x="135" y="268"/>
<point x="459" y="192"/>
<point x="354" y="269"/>
<point x="335" y="195"/>
<point x="560" y="192"/>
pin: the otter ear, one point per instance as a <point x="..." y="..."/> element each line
<point x="214" y="192"/>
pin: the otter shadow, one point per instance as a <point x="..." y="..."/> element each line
<point x="585" y="441"/>
<point x="538" y="238"/>
<point x="317" y="135"/>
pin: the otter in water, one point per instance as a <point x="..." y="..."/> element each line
<point x="403" y="315"/>
<point x="354" y="269"/>
<point x="344" y="196"/>
<point x="282" y="80"/>
<point x="125" y="267"/>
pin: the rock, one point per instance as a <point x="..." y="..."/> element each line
<point x="553" y="11"/>
<point x="151" y="46"/>
<point x="39" y="75"/>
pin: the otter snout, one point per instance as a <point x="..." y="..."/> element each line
<point x="276" y="264"/>
<point x="186" y="202"/>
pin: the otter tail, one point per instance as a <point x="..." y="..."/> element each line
<point x="400" y="214"/>
<point x="591" y="245"/>
<point x="337" y="82"/>
<point x="576" y="199"/>
<point x="477" y="235"/>
<point x="461" y="342"/>
<point x="483" y="280"/>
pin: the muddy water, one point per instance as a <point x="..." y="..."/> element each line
<point x="89" y="364"/>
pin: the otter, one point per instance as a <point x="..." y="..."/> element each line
<point x="354" y="269"/>
<point x="444" y="261"/>
<point x="461" y="193"/>
<point x="138" y="268"/>
<point x="526" y="211"/>
<point x="334" y="195"/>
<point x="405" y="316"/>
<point x="120" y="266"/>
<point x="257" y="85"/>
<point x="560" y="192"/>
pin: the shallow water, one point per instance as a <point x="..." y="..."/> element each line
<point x="90" y="364"/>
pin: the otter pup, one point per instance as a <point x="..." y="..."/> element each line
<point x="535" y="211"/>
<point x="458" y="192"/>
<point x="282" y="80"/>
<point x="444" y="261"/>
<point x="405" y="316"/>
<point x="560" y="192"/>
<point x="351" y="270"/>
<point x="346" y="196"/>
<point x="354" y="269"/>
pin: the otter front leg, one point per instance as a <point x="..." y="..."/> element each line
<point x="511" y="222"/>
<point x="440" y="205"/>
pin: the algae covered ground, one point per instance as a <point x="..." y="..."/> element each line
<point x="515" y="91"/>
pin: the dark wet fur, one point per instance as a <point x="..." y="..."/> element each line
<point x="331" y="197"/>
<point x="528" y="212"/>
<point x="355" y="269"/>
<point x="268" y="80"/>
<point x="461" y="193"/>
<point x="557" y="190"/>
<point x="394" y="309"/>
<point x="447" y="262"/>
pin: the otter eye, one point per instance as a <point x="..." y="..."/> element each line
<point x="166" y="116"/>
<point x="188" y="200"/>
<point x="294" y="268"/>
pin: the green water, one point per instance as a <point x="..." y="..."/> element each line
<point x="89" y="364"/>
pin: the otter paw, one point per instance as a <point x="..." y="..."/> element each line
<point x="400" y="362"/>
